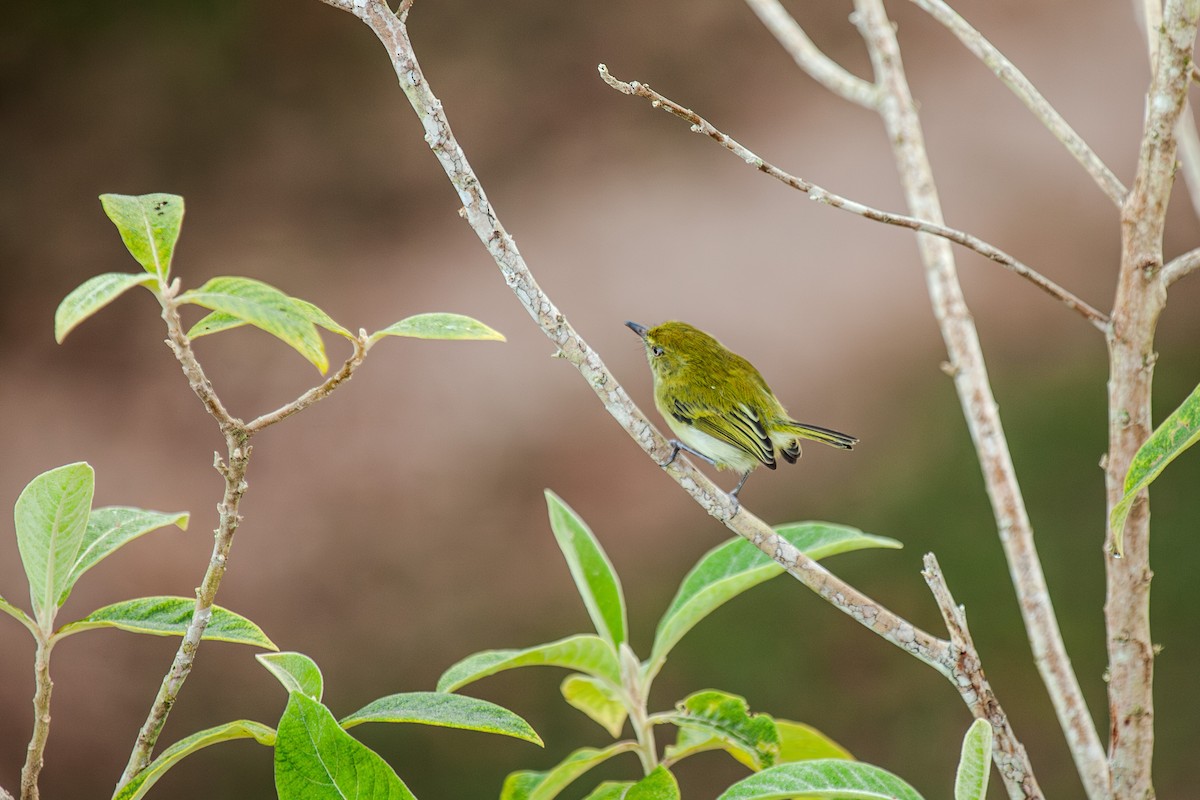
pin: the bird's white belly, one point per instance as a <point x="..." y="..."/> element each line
<point x="723" y="453"/>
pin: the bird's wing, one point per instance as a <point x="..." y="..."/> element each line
<point x="739" y="426"/>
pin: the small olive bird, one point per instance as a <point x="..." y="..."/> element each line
<point x="719" y="406"/>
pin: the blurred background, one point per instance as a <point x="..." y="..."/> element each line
<point x="401" y="525"/>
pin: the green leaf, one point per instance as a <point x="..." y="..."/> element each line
<point x="240" y="729"/>
<point x="51" y="517"/>
<point x="975" y="764"/>
<point x="111" y="527"/>
<point x="583" y="653"/>
<point x="439" y="326"/>
<point x="596" y="699"/>
<point x="264" y="307"/>
<point x="91" y="296"/>
<point x="215" y="322"/>
<point x="547" y="785"/>
<point x="658" y="785"/>
<point x="751" y="738"/>
<point x="170" y="616"/>
<point x="447" y="711"/>
<point x="590" y="568"/>
<point x="824" y="778"/>
<point x="19" y="615"/>
<point x="296" y="671"/>
<point x="149" y="226"/>
<point x="610" y="790"/>
<point x="1177" y="433"/>
<point x="799" y="742"/>
<point x="737" y="565"/>
<point x="318" y="317"/>
<point x="316" y="760"/>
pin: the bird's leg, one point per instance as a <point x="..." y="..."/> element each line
<point x="677" y="445"/>
<point x="734" y="494"/>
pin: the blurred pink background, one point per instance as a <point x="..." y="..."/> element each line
<point x="400" y="525"/>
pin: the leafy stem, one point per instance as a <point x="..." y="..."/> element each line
<point x="41" y="717"/>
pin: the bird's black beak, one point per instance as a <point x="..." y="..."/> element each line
<point x="640" y="330"/>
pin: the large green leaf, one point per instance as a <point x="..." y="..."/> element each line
<point x="800" y="742"/>
<point x="51" y="517"/>
<point x="446" y="710"/>
<point x="215" y="322"/>
<point x="439" y="325"/>
<point x="590" y="568"/>
<point x="149" y="225"/>
<point x="316" y="760"/>
<point x="1177" y="433"/>
<point x="111" y="527"/>
<point x="264" y="307"/>
<point x="170" y="616"/>
<point x="975" y="763"/>
<point x="583" y="653"/>
<point x="296" y="671"/>
<point x="833" y="778"/>
<point x="737" y="565"/>
<point x="597" y="699"/>
<point x="610" y="790"/>
<point x="547" y="785"/>
<point x="240" y="729"/>
<point x="751" y="738"/>
<point x="91" y="296"/>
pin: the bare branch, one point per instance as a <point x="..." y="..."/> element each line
<point x="1028" y="94"/>
<point x="979" y="407"/>
<point x="317" y="393"/>
<point x="700" y="125"/>
<point x="823" y="69"/>
<point x="1180" y="266"/>
<point x="181" y="346"/>
<point x="1011" y="759"/>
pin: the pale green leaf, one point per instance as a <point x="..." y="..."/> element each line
<point x="446" y="710"/>
<point x="660" y="784"/>
<point x="264" y="307"/>
<point x="316" y="760"/>
<point x="170" y="616"/>
<point x="318" y="317"/>
<point x="593" y="573"/>
<point x="800" y="742"/>
<point x="296" y="671"/>
<point x="51" y="517"/>
<point x="737" y="565"/>
<point x="1177" y="433"/>
<point x="975" y="763"/>
<point x="610" y="790"/>
<point x="240" y="729"/>
<point x="439" y="325"/>
<point x="149" y="225"/>
<point x="215" y="322"/>
<point x="751" y="738"/>
<point x="823" y="778"/>
<point x="583" y="653"/>
<point x="528" y="785"/>
<point x="596" y="699"/>
<point x="91" y="296"/>
<point x="111" y="527"/>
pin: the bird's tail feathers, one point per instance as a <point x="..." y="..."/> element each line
<point x="842" y="441"/>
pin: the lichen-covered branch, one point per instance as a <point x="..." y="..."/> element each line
<point x="700" y="125"/>
<point x="1140" y="298"/>
<point x="969" y="371"/>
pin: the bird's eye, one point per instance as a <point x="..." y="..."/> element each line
<point x="656" y="349"/>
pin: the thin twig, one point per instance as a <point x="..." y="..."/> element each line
<point x="1028" y="94"/>
<point x="980" y="409"/>
<point x="700" y="125"/>
<point x="809" y="57"/>
<point x="1010" y="756"/>
<point x="1180" y="266"/>
<point x="233" y="470"/>
<point x="481" y="216"/>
